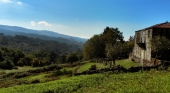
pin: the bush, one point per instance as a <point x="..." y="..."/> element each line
<point x="21" y="74"/>
<point x="35" y="81"/>
<point x="64" y="72"/>
<point x="93" y="67"/>
<point x="6" y="64"/>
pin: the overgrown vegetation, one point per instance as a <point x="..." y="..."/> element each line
<point x="160" y="46"/>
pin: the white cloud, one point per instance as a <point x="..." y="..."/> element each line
<point x="20" y="3"/>
<point x="44" y="23"/>
<point x="11" y="1"/>
<point x="7" y="1"/>
<point x="33" y="23"/>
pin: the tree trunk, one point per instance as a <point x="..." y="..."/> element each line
<point x="157" y="57"/>
<point x="114" y="62"/>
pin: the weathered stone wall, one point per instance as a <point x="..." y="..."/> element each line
<point x="142" y="50"/>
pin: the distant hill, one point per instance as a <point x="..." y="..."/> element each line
<point x="42" y="34"/>
<point x="33" y="45"/>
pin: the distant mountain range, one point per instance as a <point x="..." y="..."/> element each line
<point x="42" y="34"/>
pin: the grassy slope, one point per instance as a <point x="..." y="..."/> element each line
<point x="95" y="83"/>
<point x="127" y="63"/>
<point x="152" y="81"/>
<point x="20" y="69"/>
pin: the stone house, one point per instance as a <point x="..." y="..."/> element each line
<point x="142" y="50"/>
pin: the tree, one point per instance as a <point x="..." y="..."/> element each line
<point x="17" y="55"/>
<point x="52" y="56"/>
<point x="61" y="59"/>
<point x="159" y="45"/>
<point x="95" y="46"/>
<point x="113" y="51"/>
<point x="128" y="47"/>
<point x="35" y="62"/>
<point x="71" y="58"/>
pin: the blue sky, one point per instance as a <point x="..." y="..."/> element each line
<point x="84" y="18"/>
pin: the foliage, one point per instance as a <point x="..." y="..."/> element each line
<point x="95" y="46"/>
<point x="129" y="45"/>
<point x="160" y="47"/>
<point x="159" y="43"/>
<point x="93" y="67"/>
<point x="64" y="72"/>
<point x="61" y="59"/>
<point x="114" y="51"/>
<point x="9" y="57"/>
<point x="92" y="46"/>
<point x="71" y="58"/>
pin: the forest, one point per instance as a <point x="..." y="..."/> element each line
<point x="24" y="51"/>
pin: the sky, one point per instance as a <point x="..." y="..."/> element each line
<point x="84" y="18"/>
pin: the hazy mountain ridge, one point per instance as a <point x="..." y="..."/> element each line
<point x="15" y="30"/>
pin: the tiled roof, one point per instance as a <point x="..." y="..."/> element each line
<point x="161" y="25"/>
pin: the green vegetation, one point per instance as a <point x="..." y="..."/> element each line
<point x="20" y="69"/>
<point x="126" y="63"/>
<point x="29" y="45"/>
<point x="88" y="65"/>
<point x="152" y="81"/>
<point x="10" y="58"/>
<point x="160" y="46"/>
<point x="110" y="43"/>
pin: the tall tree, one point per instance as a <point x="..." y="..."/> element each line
<point x="95" y="46"/>
<point x="113" y="51"/>
<point x="71" y="58"/>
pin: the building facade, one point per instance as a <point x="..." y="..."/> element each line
<point x="142" y="50"/>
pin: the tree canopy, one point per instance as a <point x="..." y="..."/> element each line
<point x="160" y="46"/>
<point x="95" y="47"/>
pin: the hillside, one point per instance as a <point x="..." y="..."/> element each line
<point x="60" y="81"/>
<point x="101" y="83"/>
<point x="43" y="34"/>
<point x="32" y="45"/>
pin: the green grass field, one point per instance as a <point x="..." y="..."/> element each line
<point x="141" y="82"/>
<point x="146" y="82"/>
<point x="127" y="63"/>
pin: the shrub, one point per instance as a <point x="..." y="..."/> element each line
<point x="93" y="67"/>
<point x="64" y="72"/>
<point x="35" y="81"/>
<point x="6" y="64"/>
<point x="21" y="74"/>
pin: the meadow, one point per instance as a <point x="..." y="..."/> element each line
<point x="152" y="81"/>
<point x="148" y="82"/>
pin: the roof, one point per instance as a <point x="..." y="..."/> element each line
<point x="161" y="25"/>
